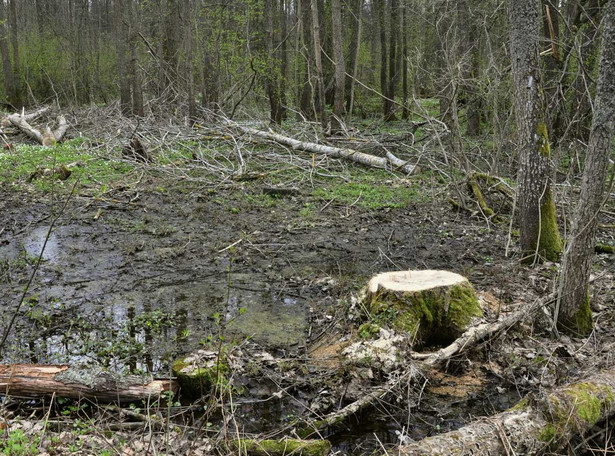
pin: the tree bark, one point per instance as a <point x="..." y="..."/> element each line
<point x="540" y="236"/>
<point x="340" y="67"/>
<point x="389" y="114"/>
<point x="573" y="303"/>
<point x="355" y="46"/>
<point x="272" y="76"/>
<point x="380" y="6"/>
<point x="532" y="426"/>
<point x="35" y="380"/>
<point x="17" y="89"/>
<point x="320" y="85"/>
<point x="390" y="161"/>
<point x="7" y="67"/>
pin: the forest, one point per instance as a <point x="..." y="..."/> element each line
<point x="307" y="227"/>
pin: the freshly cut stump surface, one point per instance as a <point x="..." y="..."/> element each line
<point x="435" y="307"/>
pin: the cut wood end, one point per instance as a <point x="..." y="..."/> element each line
<point x="411" y="281"/>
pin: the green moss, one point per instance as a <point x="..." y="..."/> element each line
<point x="368" y="330"/>
<point x="521" y="405"/>
<point x="463" y="305"/>
<point x="550" y="239"/>
<point x="199" y="381"/>
<point x="282" y="447"/>
<point x="605" y="248"/>
<point x="579" y="407"/>
<point x="433" y="317"/>
<point x="547" y="434"/>
<point x="544" y="148"/>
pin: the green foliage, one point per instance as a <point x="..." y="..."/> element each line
<point x="19" y="444"/>
<point x="92" y="171"/>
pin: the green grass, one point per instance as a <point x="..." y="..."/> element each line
<point x="370" y="195"/>
<point x="17" y="166"/>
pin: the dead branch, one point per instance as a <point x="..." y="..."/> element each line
<point x="35" y="380"/>
<point x="390" y="162"/>
<point x="427" y="360"/>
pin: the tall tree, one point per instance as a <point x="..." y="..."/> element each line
<point x="574" y="314"/>
<point x="356" y="19"/>
<point x="7" y="67"/>
<point x="540" y="236"/>
<point x="272" y="78"/>
<point x="320" y="85"/>
<point x="340" y="66"/>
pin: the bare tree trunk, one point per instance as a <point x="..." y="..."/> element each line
<point x="573" y="301"/>
<point x="283" y="56"/>
<point x="389" y="114"/>
<point x="340" y="66"/>
<point x="308" y="110"/>
<point x="355" y="46"/>
<point x="404" y="56"/>
<point x="7" y="67"/>
<point x="271" y="78"/>
<point x="380" y="6"/>
<point x="189" y="70"/>
<point x="16" y="64"/>
<point x="320" y="86"/>
<point x="540" y="237"/>
<point x="121" y="21"/>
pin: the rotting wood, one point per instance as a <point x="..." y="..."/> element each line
<point x="532" y="426"/>
<point x="37" y="380"/>
<point x="390" y="161"/>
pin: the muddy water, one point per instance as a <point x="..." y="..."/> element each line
<point x="147" y="282"/>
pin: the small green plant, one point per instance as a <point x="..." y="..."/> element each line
<point x="368" y="330"/>
<point x="19" y="444"/>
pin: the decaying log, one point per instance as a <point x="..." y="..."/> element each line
<point x="49" y="137"/>
<point x="389" y="162"/>
<point x="530" y="427"/>
<point x="36" y="380"/>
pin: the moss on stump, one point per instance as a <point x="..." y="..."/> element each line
<point x="295" y="447"/>
<point x="199" y="373"/>
<point x="435" y="307"/>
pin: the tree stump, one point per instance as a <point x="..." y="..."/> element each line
<point x="434" y="307"/>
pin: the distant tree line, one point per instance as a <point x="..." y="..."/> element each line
<point x="298" y="57"/>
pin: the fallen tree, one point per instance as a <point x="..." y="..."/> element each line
<point x="532" y="426"/>
<point x="36" y="380"/>
<point x="389" y="161"/>
<point x="48" y="137"/>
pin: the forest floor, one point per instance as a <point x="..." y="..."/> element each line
<point x="264" y="249"/>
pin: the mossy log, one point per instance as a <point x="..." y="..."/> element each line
<point x="533" y="426"/>
<point x="434" y="307"/>
<point x="37" y="380"/>
<point x="282" y="447"/>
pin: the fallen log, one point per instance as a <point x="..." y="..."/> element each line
<point x="530" y="427"/>
<point x="36" y="380"/>
<point x="390" y="161"/>
<point x="47" y="138"/>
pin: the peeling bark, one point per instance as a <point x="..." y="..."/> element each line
<point x="36" y="380"/>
